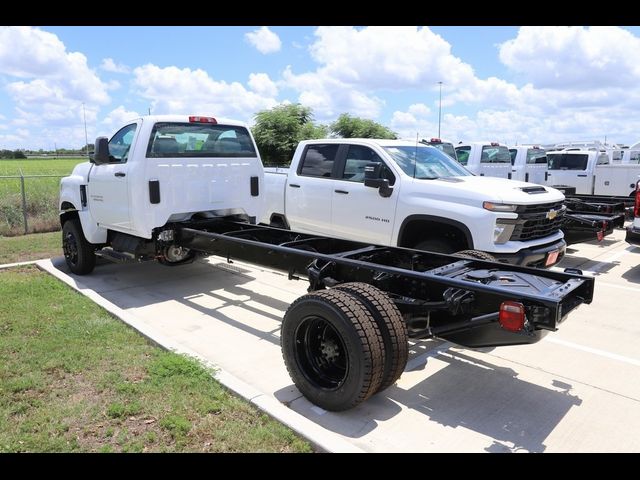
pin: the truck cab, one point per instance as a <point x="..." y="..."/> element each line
<point x="442" y="145"/>
<point x="490" y="159"/>
<point x="157" y="170"/>
<point x="575" y="167"/>
<point x="528" y="164"/>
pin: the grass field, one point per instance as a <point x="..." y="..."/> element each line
<point x="74" y="379"/>
<point x="30" y="247"/>
<point x="41" y="194"/>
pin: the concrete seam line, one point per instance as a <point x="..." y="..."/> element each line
<point x="17" y="264"/>
<point x="315" y="434"/>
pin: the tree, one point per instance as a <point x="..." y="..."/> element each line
<point x="354" y="127"/>
<point x="277" y="132"/>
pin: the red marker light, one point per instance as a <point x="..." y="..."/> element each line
<point x="436" y="140"/>
<point x="194" y="119"/>
<point x="495" y="144"/>
<point x="511" y="316"/>
<point x="636" y="208"/>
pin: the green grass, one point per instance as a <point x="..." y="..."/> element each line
<point x="41" y="194"/>
<point x="74" y="379"/>
<point x="30" y="247"/>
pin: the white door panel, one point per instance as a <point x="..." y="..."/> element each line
<point x="108" y="196"/>
<point x="309" y="204"/>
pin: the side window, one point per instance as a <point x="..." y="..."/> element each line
<point x="358" y="157"/>
<point x="513" y="152"/>
<point x="120" y="143"/>
<point x="603" y="159"/>
<point x="463" y="154"/>
<point x="318" y="160"/>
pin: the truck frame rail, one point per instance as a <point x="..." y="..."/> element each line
<point x="438" y="295"/>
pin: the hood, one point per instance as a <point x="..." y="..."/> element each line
<point x="473" y="190"/>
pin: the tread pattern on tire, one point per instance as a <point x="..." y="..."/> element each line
<point x="390" y="323"/>
<point x="478" y="254"/>
<point x="368" y="333"/>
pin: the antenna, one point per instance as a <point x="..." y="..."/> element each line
<point x="415" y="157"/>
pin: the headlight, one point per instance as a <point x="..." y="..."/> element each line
<point x="502" y="232"/>
<point x="499" y="207"/>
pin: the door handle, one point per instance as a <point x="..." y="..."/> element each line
<point x="582" y="175"/>
<point x="119" y="174"/>
<point x="344" y="192"/>
<point x="294" y="185"/>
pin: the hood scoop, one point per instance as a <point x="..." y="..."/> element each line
<point x="533" y="190"/>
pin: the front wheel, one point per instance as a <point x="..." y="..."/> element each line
<point x="78" y="253"/>
<point x="477" y="254"/>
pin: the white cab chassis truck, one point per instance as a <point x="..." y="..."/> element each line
<point x="529" y="164"/>
<point x="490" y="159"/>
<point x="421" y="199"/>
<point x="169" y="187"/>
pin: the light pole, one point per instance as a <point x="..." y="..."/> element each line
<point x="86" y="138"/>
<point x="439" y="108"/>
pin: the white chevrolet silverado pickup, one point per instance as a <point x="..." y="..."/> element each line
<point x="156" y="170"/>
<point x="399" y="193"/>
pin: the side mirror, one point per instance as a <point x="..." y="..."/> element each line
<point x="101" y="154"/>
<point x="373" y="178"/>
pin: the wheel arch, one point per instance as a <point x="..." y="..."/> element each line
<point x="409" y="233"/>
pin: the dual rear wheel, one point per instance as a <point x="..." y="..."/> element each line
<point x="343" y="345"/>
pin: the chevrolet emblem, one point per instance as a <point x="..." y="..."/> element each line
<point x="551" y="214"/>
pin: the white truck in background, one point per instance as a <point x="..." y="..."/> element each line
<point x="529" y="164"/>
<point x="399" y="193"/>
<point x="591" y="172"/>
<point x="490" y="159"/>
<point x="443" y="145"/>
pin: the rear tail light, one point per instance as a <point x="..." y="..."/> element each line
<point x="636" y="208"/>
<point x="194" y="119"/>
<point x="512" y="316"/>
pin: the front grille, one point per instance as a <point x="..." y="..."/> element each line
<point x="533" y="223"/>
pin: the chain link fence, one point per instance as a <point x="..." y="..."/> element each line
<point x="29" y="203"/>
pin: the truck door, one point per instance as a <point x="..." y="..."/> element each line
<point x="107" y="191"/>
<point x="308" y="192"/>
<point x="357" y="212"/>
<point x="570" y="169"/>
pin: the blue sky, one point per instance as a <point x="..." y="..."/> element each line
<point x="510" y="84"/>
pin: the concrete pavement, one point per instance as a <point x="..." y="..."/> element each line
<point x="576" y="391"/>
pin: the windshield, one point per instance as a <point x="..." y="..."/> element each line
<point x="495" y="154"/>
<point x="567" y="161"/>
<point x="426" y="162"/>
<point x="536" y="155"/>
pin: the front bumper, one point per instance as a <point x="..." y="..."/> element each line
<point x="534" y="256"/>
<point x="633" y="235"/>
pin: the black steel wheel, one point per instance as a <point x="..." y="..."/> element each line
<point x="333" y="349"/>
<point x="78" y="253"/>
<point x="391" y="325"/>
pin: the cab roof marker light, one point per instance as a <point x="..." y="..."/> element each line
<point x="196" y="119"/>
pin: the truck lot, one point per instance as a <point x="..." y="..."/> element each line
<point x="578" y="390"/>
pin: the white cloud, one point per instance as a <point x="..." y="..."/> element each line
<point x="186" y="91"/>
<point x="109" y="65"/>
<point x="574" y="57"/>
<point x="53" y="83"/>
<point x="264" y="40"/>
<point x="262" y="84"/>
<point x="116" y="118"/>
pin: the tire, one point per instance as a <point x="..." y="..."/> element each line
<point x="333" y="349"/>
<point x="434" y="245"/>
<point x="477" y="254"/>
<point x="391" y="325"/>
<point x="78" y="253"/>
